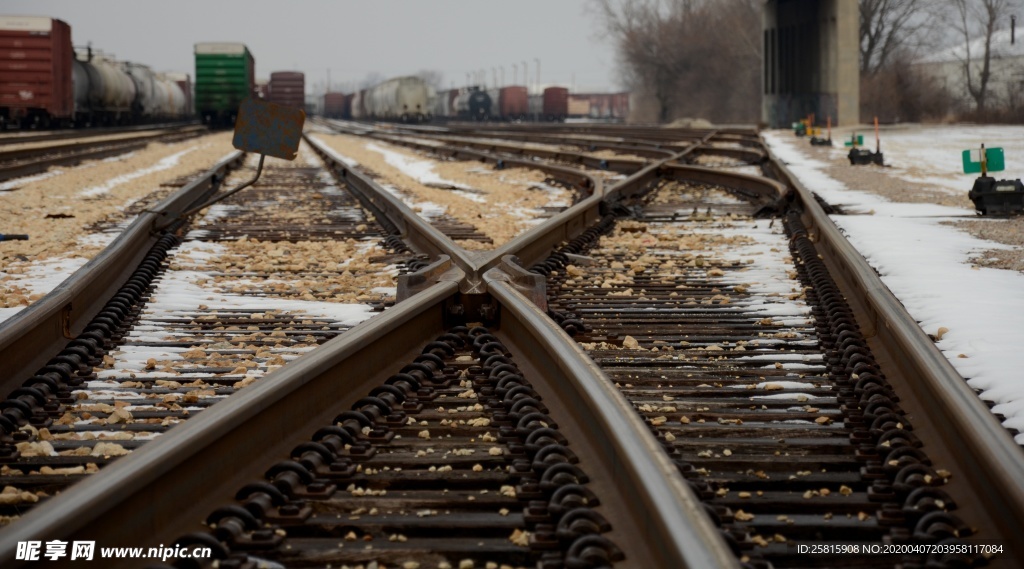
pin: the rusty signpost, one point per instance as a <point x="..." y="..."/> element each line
<point x="265" y="128"/>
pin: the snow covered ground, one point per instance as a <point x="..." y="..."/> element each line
<point x="926" y="263"/>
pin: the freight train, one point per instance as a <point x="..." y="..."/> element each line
<point x="225" y="76"/>
<point x="474" y="103"/>
<point x="287" y="88"/>
<point x="403" y="99"/>
<point x="45" y="83"/>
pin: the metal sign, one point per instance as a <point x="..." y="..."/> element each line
<point x="268" y="128"/>
<point x="994" y="161"/>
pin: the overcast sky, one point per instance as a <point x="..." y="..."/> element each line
<point x="352" y="39"/>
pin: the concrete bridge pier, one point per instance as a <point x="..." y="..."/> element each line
<point x="811" y="61"/>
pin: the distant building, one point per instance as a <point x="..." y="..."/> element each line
<point x="1006" y="70"/>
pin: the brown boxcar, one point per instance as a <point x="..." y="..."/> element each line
<point x="35" y="70"/>
<point x="346" y="109"/>
<point x="556" y="103"/>
<point x="513" y="103"/>
<point x="288" y="88"/>
<point x="334" y="105"/>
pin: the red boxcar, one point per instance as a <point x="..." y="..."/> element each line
<point x="35" y="70"/>
<point x="513" y="103"/>
<point x="334" y="105"/>
<point x="288" y="88"/>
<point x="346" y="109"/>
<point x="556" y="103"/>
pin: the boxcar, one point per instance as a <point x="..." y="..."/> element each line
<point x="288" y="88"/>
<point x="334" y="105"/>
<point x="512" y="103"/>
<point x="35" y="71"/>
<point x="556" y="104"/>
<point x="225" y="76"/>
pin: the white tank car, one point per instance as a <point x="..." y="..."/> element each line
<point x="358" y="109"/>
<point x="109" y="89"/>
<point x="405" y="99"/>
<point x="172" y="100"/>
<point x="147" y="98"/>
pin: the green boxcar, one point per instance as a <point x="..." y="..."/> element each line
<point x="225" y="76"/>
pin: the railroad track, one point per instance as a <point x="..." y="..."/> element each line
<point x="19" y="137"/>
<point x="25" y="161"/>
<point x="695" y="373"/>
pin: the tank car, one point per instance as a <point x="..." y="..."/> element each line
<point x="473" y="104"/>
<point x="104" y="93"/>
<point x="150" y="99"/>
<point x="45" y="83"/>
<point x="171" y="101"/>
<point x="184" y="83"/>
<point x="357" y="109"/>
<point x="440" y="105"/>
<point x="405" y="99"/>
<point x="509" y="103"/>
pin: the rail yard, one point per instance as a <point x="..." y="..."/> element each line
<point x="460" y="331"/>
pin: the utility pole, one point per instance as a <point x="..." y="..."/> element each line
<point x="537" y="61"/>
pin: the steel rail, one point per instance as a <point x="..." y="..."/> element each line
<point x="16" y="137"/>
<point x="652" y="150"/>
<point x="622" y="165"/>
<point x="537" y="242"/>
<point x="13" y="162"/>
<point x="147" y="489"/>
<point x="582" y="180"/>
<point x="744" y="154"/>
<point x="945" y="409"/>
<point x="154" y="495"/>
<point x="655" y="516"/>
<point x="654" y="488"/>
<point x="35" y="151"/>
<point x="534" y="245"/>
<point x="621" y="134"/>
<point x="415" y="230"/>
<point x="564" y="225"/>
<point x="31" y="337"/>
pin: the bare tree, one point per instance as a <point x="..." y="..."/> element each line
<point x="371" y="80"/>
<point x="886" y="27"/>
<point x="433" y="78"/>
<point x="689" y="57"/>
<point x="978" y="20"/>
<point x="640" y="28"/>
